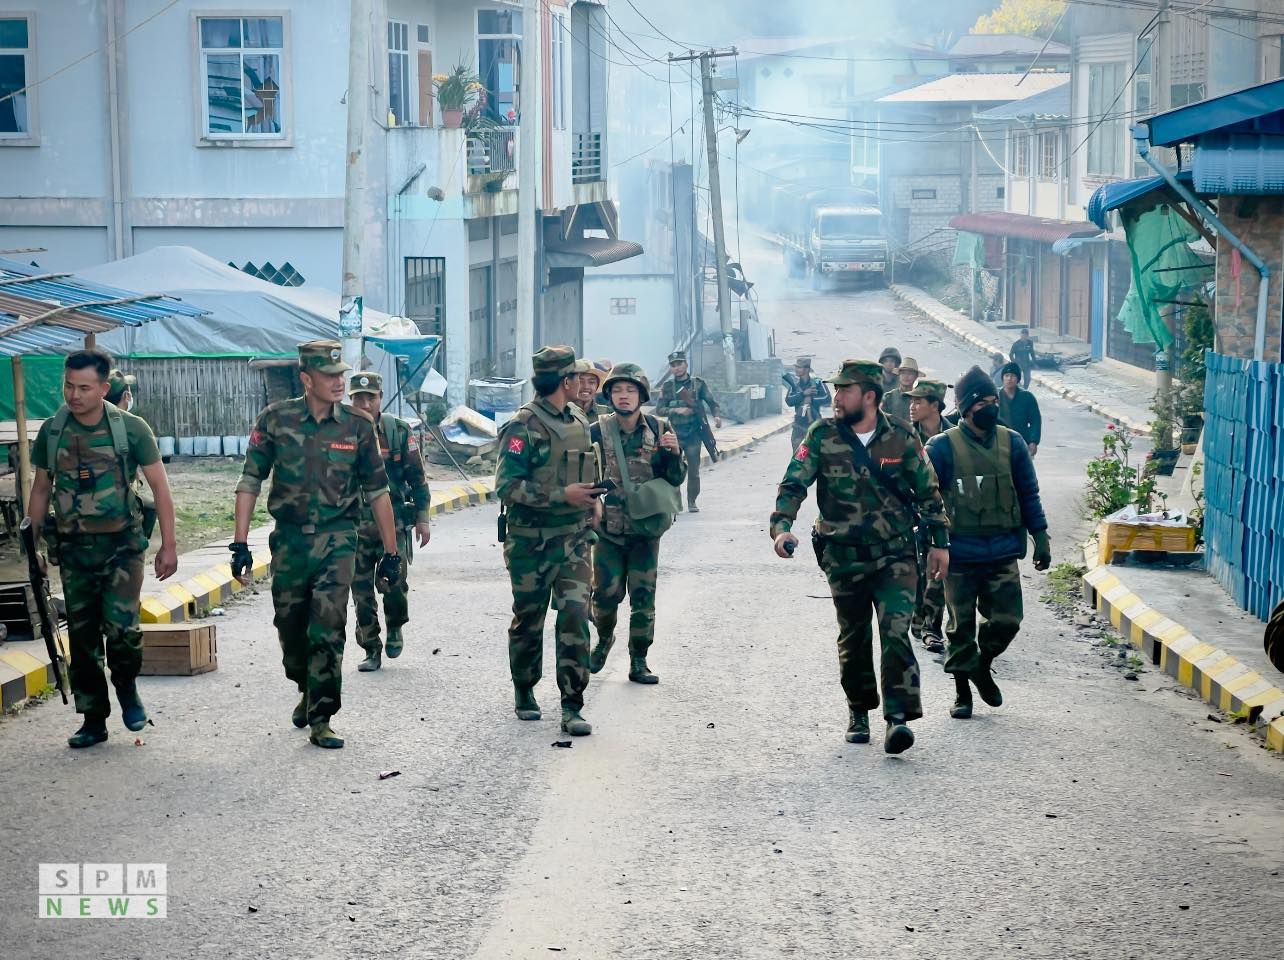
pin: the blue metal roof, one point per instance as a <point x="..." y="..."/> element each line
<point x="1258" y="109"/>
<point x="1112" y="196"/>
<point x="1052" y="104"/>
<point x="1242" y="163"/>
<point x="23" y="295"/>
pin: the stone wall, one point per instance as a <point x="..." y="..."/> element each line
<point x="1259" y="222"/>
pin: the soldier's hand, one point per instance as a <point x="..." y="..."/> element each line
<point x="423" y="532"/>
<point x="669" y="441"/>
<point x="938" y="563"/>
<point x="1034" y="448"/>
<point x="717" y="422"/>
<point x="582" y="495"/>
<point x="786" y="544"/>
<point x="242" y="562"/>
<point x="388" y="572"/>
<point x="596" y="521"/>
<point x="1042" y="550"/>
<point x="166" y="563"/>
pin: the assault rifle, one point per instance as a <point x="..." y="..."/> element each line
<point x="44" y="606"/>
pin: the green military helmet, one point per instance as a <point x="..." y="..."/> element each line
<point x="365" y="382"/>
<point x="890" y="353"/>
<point x="117" y="383"/>
<point x="631" y="373"/>
<point x="857" y="371"/>
<point x="930" y="390"/>
<point x="322" y="356"/>
<point x="559" y="361"/>
<point x="678" y="356"/>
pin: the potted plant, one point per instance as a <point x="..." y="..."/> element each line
<point x="456" y="92"/>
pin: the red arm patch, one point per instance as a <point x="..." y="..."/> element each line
<point x="516" y="445"/>
<point x="801" y="452"/>
<point x="256" y="438"/>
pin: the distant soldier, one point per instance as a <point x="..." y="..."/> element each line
<point x="587" y="396"/>
<point x="1022" y="354"/>
<point x="1019" y="408"/>
<point x="992" y="495"/>
<point x="890" y="361"/>
<point x="85" y="457"/>
<point x="547" y="481"/>
<point x="808" y="396"/>
<point x="637" y="450"/>
<point x="873" y="486"/>
<point x="323" y="456"/>
<point x="927" y="404"/>
<point x="896" y="402"/>
<point x="683" y="399"/>
<point x="411" y="499"/>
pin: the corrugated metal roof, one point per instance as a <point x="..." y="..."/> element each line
<point x="1258" y="109"/>
<point x="72" y="308"/>
<point x="1112" y="196"/>
<point x="590" y="252"/>
<point x="1051" y="104"/>
<point x="977" y="88"/>
<point x="1021" y="227"/>
<point x="1004" y="45"/>
<point x="1239" y="164"/>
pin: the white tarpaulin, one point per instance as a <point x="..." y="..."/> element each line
<point x="248" y="316"/>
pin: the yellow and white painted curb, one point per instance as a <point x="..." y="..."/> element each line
<point x="464" y="495"/>
<point x="23" y="674"/>
<point x="196" y="595"/>
<point x="1218" y="678"/>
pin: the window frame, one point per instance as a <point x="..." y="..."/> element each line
<point x="1047" y="172"/>
<point x="31" y="136"/>
<point x="557" y="61"/>
<point x="1100" y="164"/>
<point x="200" y="82"/>
<point x="408" y="105"/>
<point x="518" y="40"/>
<point x="1021" y="156"/>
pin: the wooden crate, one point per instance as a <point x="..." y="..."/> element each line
<point x="179" y="649"/>
<point x="1112" y="536"/>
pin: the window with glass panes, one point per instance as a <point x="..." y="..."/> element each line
<point x="242" y="61"/>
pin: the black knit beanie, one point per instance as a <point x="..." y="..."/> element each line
<point x="971" y="387"/>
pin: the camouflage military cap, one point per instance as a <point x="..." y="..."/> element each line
<point x="365" y="382"/>
<point x="629" y="373"/>
<point x="120" y="381"/>
<point x="930" y="390"/>
<point x="678" y="356"/>
<point x="322" y="356"/>
<point x="890" y="353"/>
<point x="857" y="371"/>
<point x="559" y="361"/>
<point x="582" y="366"/>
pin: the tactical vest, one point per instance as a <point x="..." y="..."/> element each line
<point x="615" y="518"/>
<point x="982" y="501"/>
<point x="93" y="484"/>
<point x="571" y="459"/>
<point x="391" y="428"/>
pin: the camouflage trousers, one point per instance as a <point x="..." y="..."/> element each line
<point x="311" y="576"/>
<point x="630" y="565"/>
<point x="929" y="600"/>
<point x="861" y="590"/>
<point x="693" y="448"/>
<point x="542" y="570"/>
<point x="396" y="602"/>
<point x="995" y="592"/>
<point x="102" y="578"/>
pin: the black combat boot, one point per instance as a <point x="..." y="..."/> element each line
<point x="962" y="709"/>
<point x="92" y="731"/>
<point x="373" y="660"/>
<point x="597" y="659"/>
<point x="300" y="716"/>
<point x="323" y="736"/>
<point x="573" y="723"/>
<point x="524" y="704"/>
<point x="857" y="726"/>
<point x="394" y="644"/>
<point x="131" y="706"/>
<point x="985" y="685"/>
<point x="639" y="672"/>
<point x="899" y="736"/>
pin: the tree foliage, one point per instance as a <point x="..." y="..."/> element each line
<point x="1030" y="18"/>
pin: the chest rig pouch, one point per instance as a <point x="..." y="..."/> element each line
<point x="93" y="485"/>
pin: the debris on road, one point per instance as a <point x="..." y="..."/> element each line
<point x="565" y="744"/>
<point x="389" y="774"/>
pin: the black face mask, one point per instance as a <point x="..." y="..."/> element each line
<point x="987" y="418"/>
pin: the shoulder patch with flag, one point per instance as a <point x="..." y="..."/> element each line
<point x="801" y="452"/>
<point x="516" y="444"/>
<point x="256" y="438"/>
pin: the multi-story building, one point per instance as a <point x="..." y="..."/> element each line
<point x="130" y="124"/>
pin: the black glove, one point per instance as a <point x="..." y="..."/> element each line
<point x="1042" y="551"/>
<point x="242" y="559"/>
<point x="388" y="572"/>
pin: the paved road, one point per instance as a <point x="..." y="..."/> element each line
<point x="718" y="815"/>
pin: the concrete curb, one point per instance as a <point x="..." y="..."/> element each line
<point x="23" y="675"/>
<point x="1218" y="678"/>
<point x="952" y="321"/>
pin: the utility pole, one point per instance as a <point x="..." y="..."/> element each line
<point x="529" y="151"/>
<point x="1161" y="95"/>
<point x="708" y="85"/>
<point x="355" y="182"/>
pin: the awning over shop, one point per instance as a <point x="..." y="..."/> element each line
<point x="589" y="252"/>
<point x="1021" y="227"/>
<point x="1119" y="193"/>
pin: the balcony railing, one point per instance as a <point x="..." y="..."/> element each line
<point x="492" y="151"/>
<point x="586" y="158"/>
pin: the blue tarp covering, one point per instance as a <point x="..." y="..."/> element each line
<point x="417" y="353"/>
<point x="1112" y="196"/>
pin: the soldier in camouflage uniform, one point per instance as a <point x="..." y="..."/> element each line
<point x="927" y="405"/>
<point x="323" y="456"/>
<point x="896" y="402"/>
<point x="627" y="554"/>
<point x="683" y="399"/>
<point x="992" y="495"/>
<point x="547" y="481"/>
<point x="873" y="485"/>
<point x="590" y="387"/>
<point x="86" y="457"/>
<point x="121" y="392"/>
<point x="411" y="499"/>
<point x="890" y="361"/>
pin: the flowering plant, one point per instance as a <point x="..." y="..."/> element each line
<point x="1112" y="481"/>
<point x="459" y="89"/>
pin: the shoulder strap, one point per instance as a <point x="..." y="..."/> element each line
<point x="57" y="424"/>
<point x="861" y="458"/>
<point x="391" y="430"/>
<point x="621" y="461"/>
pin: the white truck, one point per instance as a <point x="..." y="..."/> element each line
<point x="830" y="234"/>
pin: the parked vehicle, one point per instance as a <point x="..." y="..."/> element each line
<point x="831" y="233"/>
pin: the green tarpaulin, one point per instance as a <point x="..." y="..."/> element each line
<point x="43" y="379"/>
<point x="1162" y="266"/>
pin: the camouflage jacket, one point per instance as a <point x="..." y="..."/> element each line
<point x="320" y="469"/>
<point x="855" y="508"/>
<point x="525" y="449"/>
<point x="691" y="392"/>
<point x="646" y="460"/>
<point x="923" y="436"/>
<point x="896" y="403"/>
<point x="407" y="480"/>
